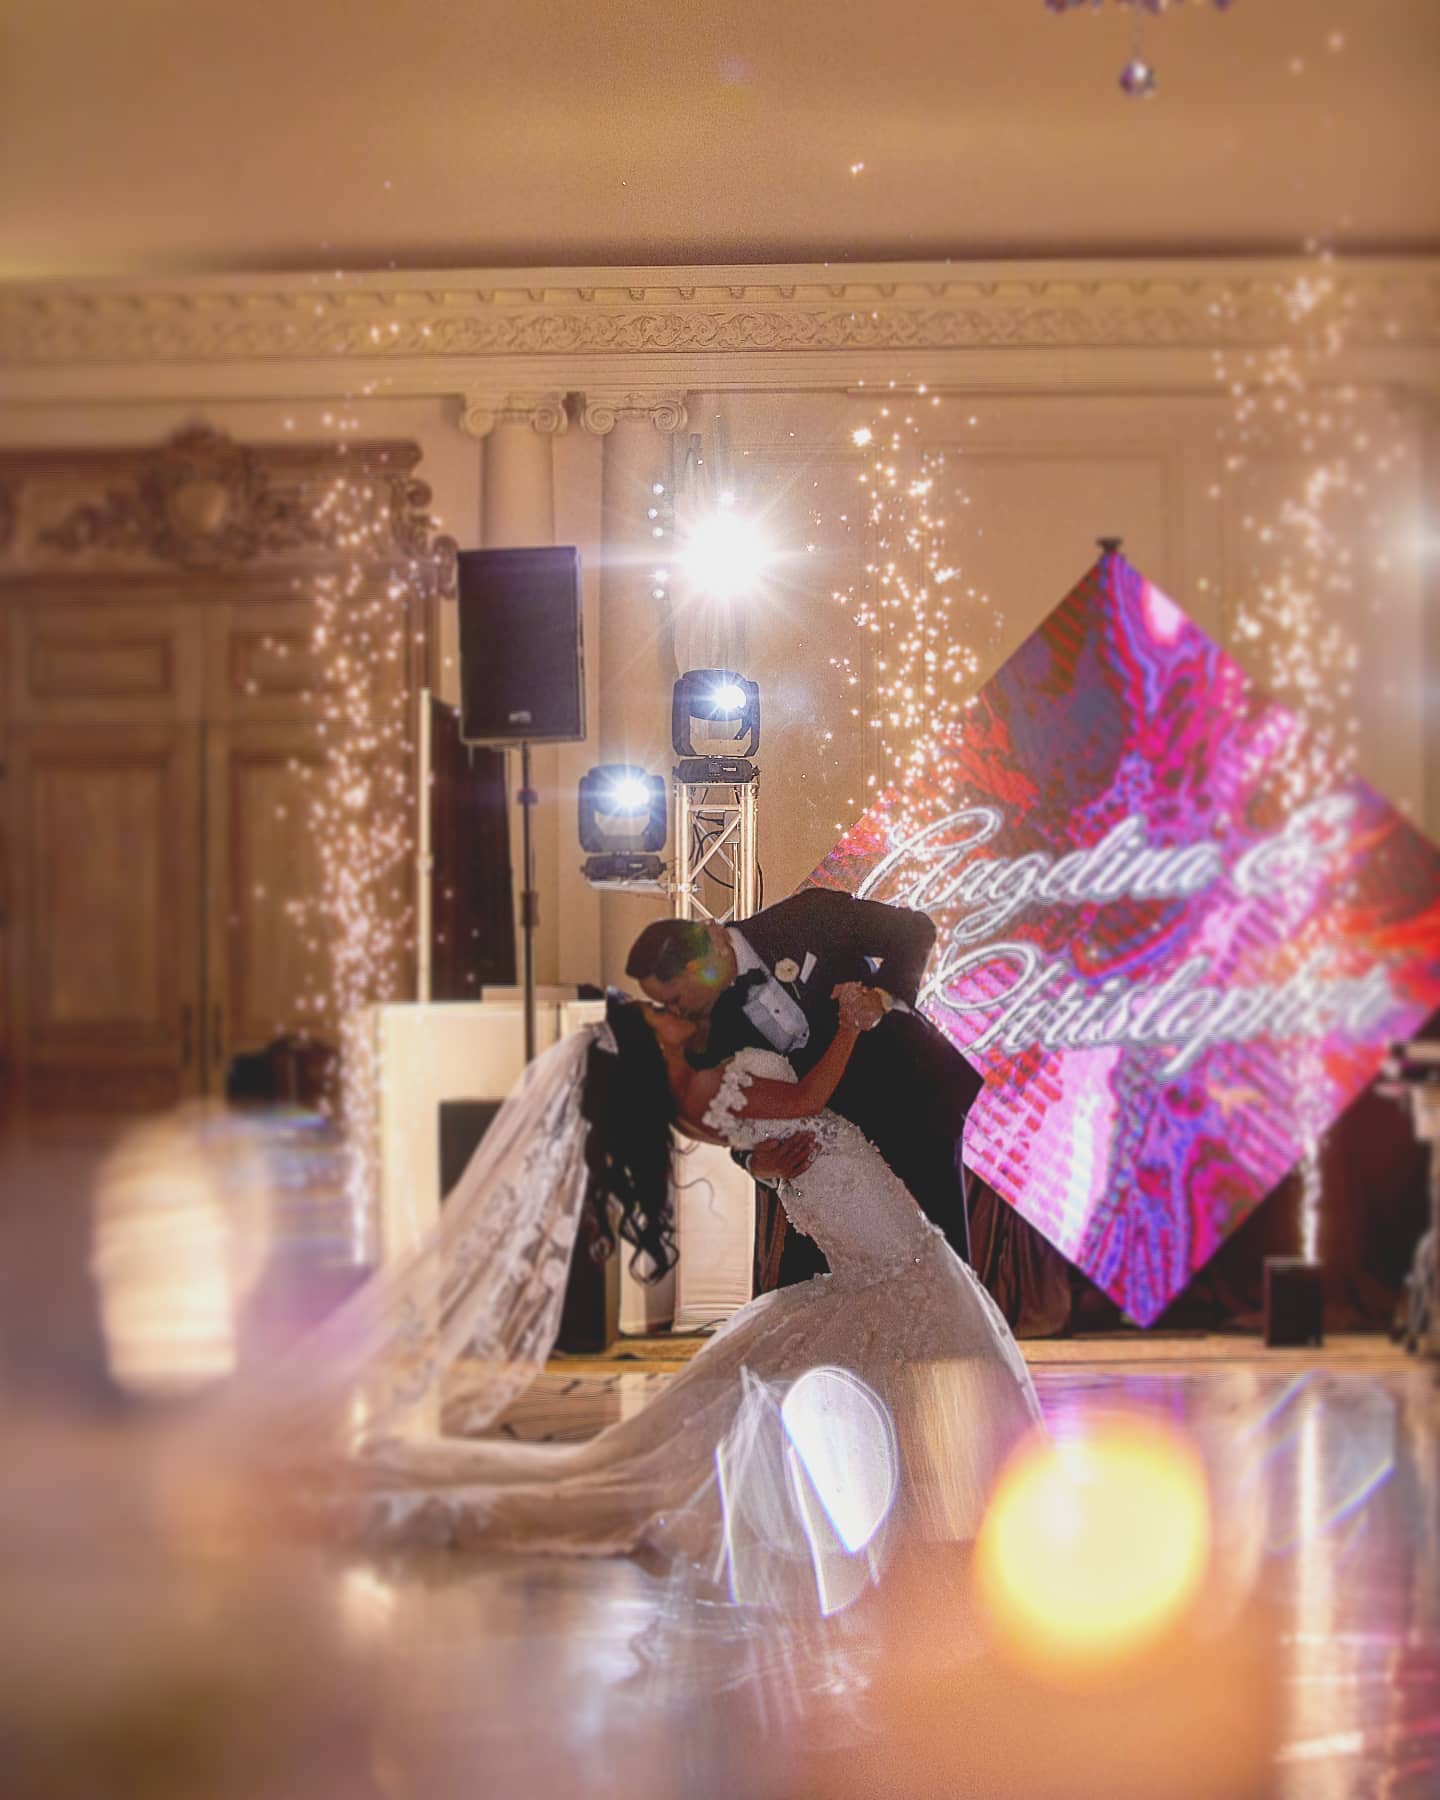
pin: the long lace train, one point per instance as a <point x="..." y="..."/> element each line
<point x="894" y="1376"/>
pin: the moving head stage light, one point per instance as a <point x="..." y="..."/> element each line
<point x="622" y="825"/>
<point x="715" y="697"/>
<point x="717" y="866"/>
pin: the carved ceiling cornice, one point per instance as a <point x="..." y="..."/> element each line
<point x="656" y="312"/>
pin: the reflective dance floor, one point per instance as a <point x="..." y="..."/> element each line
<point x="163" y="1639"/>
<point x="521" y="1675"/>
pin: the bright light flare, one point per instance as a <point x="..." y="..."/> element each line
<point x="725" y="554"/>
<point x="628" y="796"/>
<point x="1094" y="1548"/>
<point x="806" y="1479"/>
<point x="730" y="697"/>
<point x="842" y="1436"/>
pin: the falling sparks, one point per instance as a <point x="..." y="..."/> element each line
<point x="1298" y="578"/>
<point x="360" y="923"/>
<point x="918" y="667"/>
<point x="1300" y="575"/>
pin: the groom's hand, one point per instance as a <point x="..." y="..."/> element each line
<point x="783" y="1158"/>
<point x="861" y="1007"/>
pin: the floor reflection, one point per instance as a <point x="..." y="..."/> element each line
<point x="162" y="1630"/>
<point x="1327" y="1490"/>
<point x="1330" y="1484"/>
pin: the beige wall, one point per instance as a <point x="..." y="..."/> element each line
<point x="1106" y="422"/>
<point x="1045" y="476"/>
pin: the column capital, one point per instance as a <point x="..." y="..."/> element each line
<point x="481" y="410"/>
<point x="602" y="409"/>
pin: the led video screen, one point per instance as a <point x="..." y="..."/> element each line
<point x="1172" y="937"/>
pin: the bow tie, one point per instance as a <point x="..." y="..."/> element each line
<point x="724" y="1013"/>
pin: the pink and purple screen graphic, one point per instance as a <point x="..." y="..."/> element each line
<point x="1174" y="940"/>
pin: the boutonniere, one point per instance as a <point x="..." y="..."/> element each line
<point x="787" y="969"/>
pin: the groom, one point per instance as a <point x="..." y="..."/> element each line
<point x="769" y="982"/>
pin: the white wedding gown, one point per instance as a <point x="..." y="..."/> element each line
<point x="818" y="1425"/>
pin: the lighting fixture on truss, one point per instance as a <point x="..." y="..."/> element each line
<point x="717" y="867"/>
<point x="622" y="826"/>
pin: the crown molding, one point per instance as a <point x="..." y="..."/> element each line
<point x="555" y="314"/>
<point x="632" y="343"/>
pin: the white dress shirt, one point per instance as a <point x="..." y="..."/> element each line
<point x="770" y="1006"/>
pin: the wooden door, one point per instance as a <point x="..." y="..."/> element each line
<point x="105" y="941"/>
<point x="260" y="661"/>
<point x="264" y="955"/>
<point x="137" y="663"/>
<point x="103" y="703"/>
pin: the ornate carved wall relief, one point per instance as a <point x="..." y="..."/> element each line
<point x="201" y="501"/>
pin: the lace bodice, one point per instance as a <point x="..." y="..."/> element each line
<point x="849" y="1200"/>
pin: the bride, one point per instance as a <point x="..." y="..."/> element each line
<point x="822" y="1422"/>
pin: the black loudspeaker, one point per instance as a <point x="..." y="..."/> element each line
<point x="1294" y="1302"/>
<point x="522" y="657"/>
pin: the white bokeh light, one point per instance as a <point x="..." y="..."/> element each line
<point x="628" y="795"/>
<point x="725" y="553"/>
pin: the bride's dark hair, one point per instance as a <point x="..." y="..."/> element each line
<point x="629" y="1110"/>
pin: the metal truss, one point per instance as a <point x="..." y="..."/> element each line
<point x="717" y="864"/>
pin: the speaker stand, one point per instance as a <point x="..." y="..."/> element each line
<point x="529" y="896"/>
<point x="424" y="854"/>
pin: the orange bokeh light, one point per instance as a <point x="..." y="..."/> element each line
<point x="1094" y="1548"/>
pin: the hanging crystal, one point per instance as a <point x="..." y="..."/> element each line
<point x="1137" y="78"/>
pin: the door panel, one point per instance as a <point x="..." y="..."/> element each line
<point x="261" y="662"/>
<point x="105" y="664"/>
<point x="105" y="955"/>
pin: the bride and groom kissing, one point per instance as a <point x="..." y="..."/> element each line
<point x="772" y="982"/>
<point x="793" y="1039"/>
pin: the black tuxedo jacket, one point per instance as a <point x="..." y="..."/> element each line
<point x="903" y="1076"/>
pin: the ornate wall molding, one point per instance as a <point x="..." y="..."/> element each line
<point x="200" y="500"/>
<point x="481" y="412"/>
<point x="203" y="501"/>
<point x="601" y="412"/>
<point x="554" y="314"/>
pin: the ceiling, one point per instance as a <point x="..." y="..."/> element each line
<point x="156" y="136"/>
